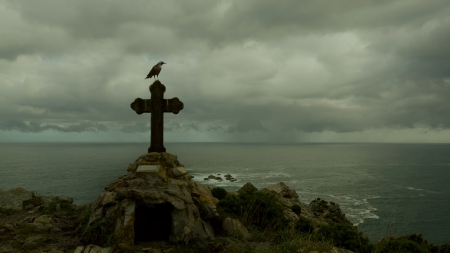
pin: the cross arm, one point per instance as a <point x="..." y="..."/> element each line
<point x="141" y="105"/>
<point x="168" y="105"/>
<point x="173" y="105"/>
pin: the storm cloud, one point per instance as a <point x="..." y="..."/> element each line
<point x="258" y="68"/>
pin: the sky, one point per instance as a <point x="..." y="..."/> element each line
<point x="246" y="71"/>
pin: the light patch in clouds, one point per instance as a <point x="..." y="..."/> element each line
<point x="37" y="127"/>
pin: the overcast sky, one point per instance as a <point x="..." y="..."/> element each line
<point x="254" y="70"/>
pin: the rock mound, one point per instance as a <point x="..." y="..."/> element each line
<point x="156" y="200"/>
<point x="328" y="211"/>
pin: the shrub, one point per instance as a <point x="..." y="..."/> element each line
<point x="304" y="225"/>
<point x="345" y="236"/>
<point x="7" y="211"/>
<point x="255" y="208"/>
<point x="444" y="248"/>
<point x="413" y="243"/>
<point x="296" y="209"/>
<point x="96" y="233"/>
<point x="402" y="245"/>
<point x="219" y="193"/>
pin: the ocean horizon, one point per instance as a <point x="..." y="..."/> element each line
<point x="398" y="188"/>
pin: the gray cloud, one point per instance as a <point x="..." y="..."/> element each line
<point x="37" y="127"/>
<point x="246" y="125"/>
<point x="238" y="66"/>
<point x="137" y="127"/>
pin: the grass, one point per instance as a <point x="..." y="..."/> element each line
<point x="7" y="211"/>
<point x="288" y="240"/>
<point x="345" y="236"/>
<point x="254" y="208"/>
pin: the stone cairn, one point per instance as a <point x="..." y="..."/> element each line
<point x="157" y="200"/>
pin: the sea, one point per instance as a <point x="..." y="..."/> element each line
<point x="382" y="188"/>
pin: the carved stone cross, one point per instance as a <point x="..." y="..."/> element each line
<point x="157" y="106"/>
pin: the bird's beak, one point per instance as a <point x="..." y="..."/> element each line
<point x="163" y="63"/>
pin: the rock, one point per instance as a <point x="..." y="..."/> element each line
<point x="55" y="229"/>
<point x="64" y="198"/>
<point x="329" y="211"/>
<point x="107" y="250"/>
<point x="43" y="219"/>
<point x="13" y="199"/>
<point x="31" y="240"/>
<point x="42" y="228"/>
<point x="91" y="248"/>
<point x="27" y="219"/>
<point x="338" y="250"/>
<point x="9" y="227"/>
<point x="247" y="187"/>
<point x="79" y="249"/>
<point x="288" y="198"/>
<point x="179" y="171"/>
<point x="132" y="168"/>
<point x="6" y="249"/>
<point x="232" y="227"/>
<point x="87" y="249"/>
<point x="200" y="244"/>
<point x="205" y="178"/>
<point x="53" y="250"/>
<point x="207" y="206"/>
<point x="28" y="206"/>
<point x="282" y="189"/>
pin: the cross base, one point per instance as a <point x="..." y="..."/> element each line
<point x="158" y="150"/>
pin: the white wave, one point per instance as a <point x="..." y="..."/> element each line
<point x="417" y="189"/>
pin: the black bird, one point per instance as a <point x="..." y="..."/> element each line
<point x="155" y="70"/>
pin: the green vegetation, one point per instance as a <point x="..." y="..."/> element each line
<point x="7" y="211"/>
<point x="345" y="236"/>
<point x="296" y="209"/>
<point x="254" y="208"/>
<point x="409" y="244"/>
<point x="304" y="225"/>
<point x="219" y="193"/>
<point x="95" y="232"/>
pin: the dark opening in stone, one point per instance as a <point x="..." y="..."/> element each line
<point x="152" y="223"/>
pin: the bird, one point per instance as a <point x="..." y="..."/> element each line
<point x="155" y="70"/>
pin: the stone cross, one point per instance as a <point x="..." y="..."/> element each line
<point x="157" y="106"/>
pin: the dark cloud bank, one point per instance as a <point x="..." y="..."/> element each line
<point x="238" y="66"/>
